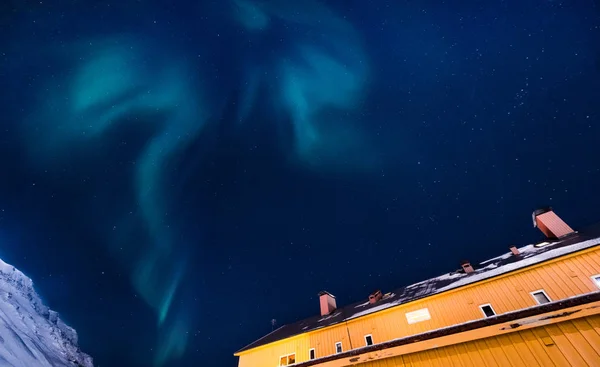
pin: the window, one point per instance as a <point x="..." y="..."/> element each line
<point x="418" y="315"/>
<point x="596" y="279"/>
<point x="540" y="297"/>
<point x="311" y="354"/>
<point x="487" y="310"/>
<point x="287" y="360"/>
<point x="338" y="347"/>
<point x="369" y="339"/>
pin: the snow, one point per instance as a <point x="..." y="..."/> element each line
<point x="531" y="255"/>
<point x="448" y="276"/>
<point x="385" y="296"/>
<point x="327" y="317"/>
<point x="532" y="260"/>
<point x="30" y="333"/>
<point x="524" y="249"/>
<point x="375" y="309"/>
<point x="529" y="248"/>
<point x="497" y="258"/>
<point x="362" y="304"/>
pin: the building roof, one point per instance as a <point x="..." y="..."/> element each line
<point x="508" y="320"/>
<point x="529" y="255"/>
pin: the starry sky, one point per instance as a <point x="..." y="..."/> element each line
<point x="175" y="177"/>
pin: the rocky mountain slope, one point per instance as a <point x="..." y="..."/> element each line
<point x="32" y="335"/>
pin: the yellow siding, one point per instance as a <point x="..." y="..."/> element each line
<point x="560" y="278"/>
<point x="300" y="345"/>
<point x="569" y="343"/>
<point x="270" y="356"/>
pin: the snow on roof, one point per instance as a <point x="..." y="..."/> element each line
<point x="497" y="270"/>
<point x="529" y="255"/>
<point x="501" y="257"/>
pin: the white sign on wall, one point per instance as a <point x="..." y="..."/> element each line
<point x="418" y="316"/>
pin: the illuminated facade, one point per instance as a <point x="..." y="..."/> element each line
<point x="538" y="305"/>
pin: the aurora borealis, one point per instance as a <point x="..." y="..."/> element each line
<point x="109" y="86"/>
<point x="108" y="80"/>
<point x="167" y="157"/>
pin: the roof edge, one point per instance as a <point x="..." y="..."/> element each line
<point x="242" y="350"/>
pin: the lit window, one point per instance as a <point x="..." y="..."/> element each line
<point x="487" y="310"/>
<point x="287" y="360"/>
<point x="540" y="297"/>
<point x="311" y="354"/>
<point x="418" y="315"/>
<point x="596" y="279"/>
<point x="338" y="347"/>
<point x="369" y="339"/>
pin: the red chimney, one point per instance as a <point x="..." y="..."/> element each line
<point x="327" y="301"/>
<point x="550" y="224"/>
<point x="467" y="267"/>
<point x="375" y="296"/>
<point x="515" y="251"/>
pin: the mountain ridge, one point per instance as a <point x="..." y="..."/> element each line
<point x="31" y="334"/>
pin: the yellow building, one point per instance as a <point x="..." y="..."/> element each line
<point x="537" y="305"/>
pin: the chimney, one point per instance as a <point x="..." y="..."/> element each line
<point x="466" y="265"/>
<point x="515" y="251"/>
<point x="327" y="301"/>
<point x="550" y="224"/>
<point x="375" y="296"/>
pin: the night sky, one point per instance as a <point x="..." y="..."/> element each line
<point x="175" y="177"/>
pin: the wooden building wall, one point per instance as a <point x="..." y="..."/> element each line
<point x="569" y="343"/>
<point x="559" y="278"/>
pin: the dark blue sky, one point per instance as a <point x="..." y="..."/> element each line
<point x="478" y="113"/>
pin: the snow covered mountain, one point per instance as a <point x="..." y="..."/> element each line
<point x="32" y="335"/>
